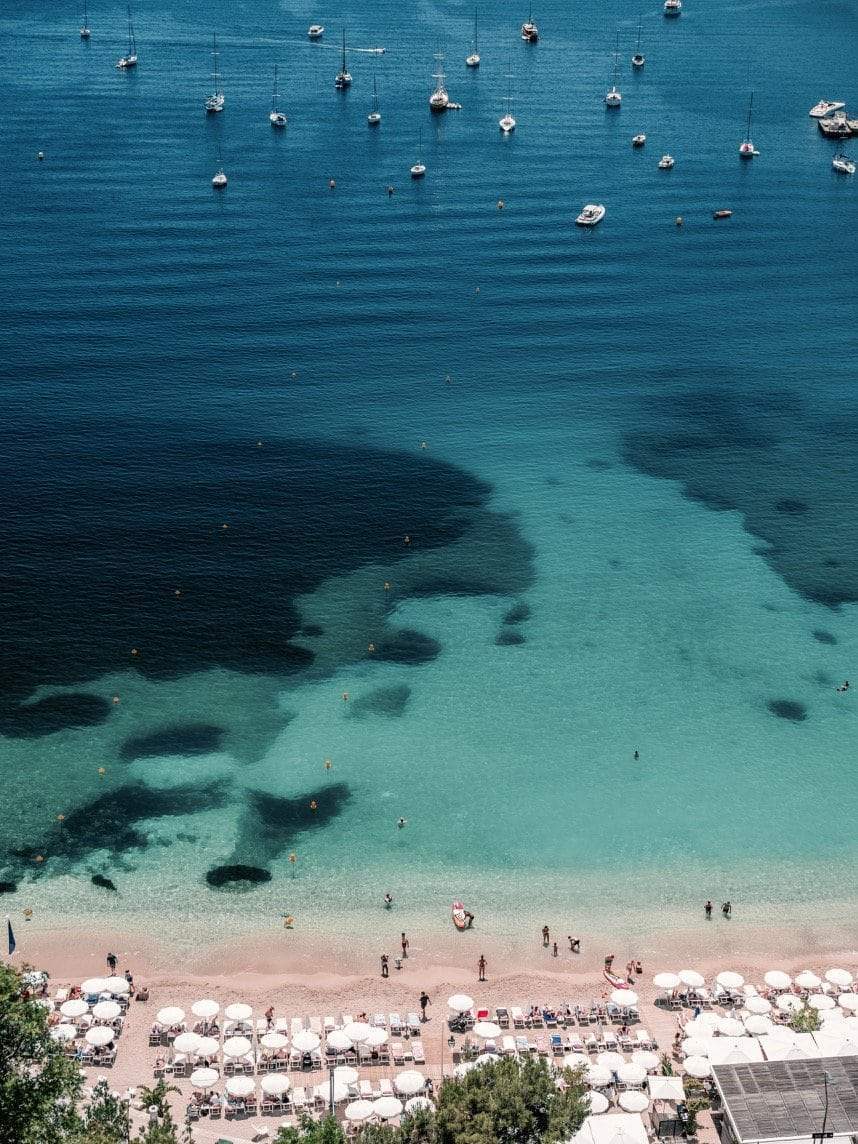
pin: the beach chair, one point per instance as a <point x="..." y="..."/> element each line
<point x="644" y="1040"/>
<point x="556" y="1045"/>
<point x="522" y="1045"/>
<point x="418" y="1052"/>
<point x="614" y="1013"/>
<point x="297" y="1025"/>
<point x="549" y="1017"/>
<point x="385" y="1087"/>
<point x="193" y="1112"/>
<point x="397" y="1053"/>
<point x="395" y="1025"/>
<point x="413" y="1025"/>
<point x="154" y="1037"/>
<point x="384" y="1054"/>
<point x="364" y="1054"/>
<point x="626" y="1043"/>
<point x="365" y="1089"/>
<point x="346" y="1018"/>
<point x="610" y="1041"/>
<point x="406" y="1052"/>
<point x="62" y="994"/>
<point x="541" y="1046"/>
<point x="330" y="1024"/>
<point x="517" y="1015"/>
<point x="299" y="1098"/>
<point x="490" y="1046"/>
<point x="591" y="1041"/>
<point x="502" y="1017"/>
<point x="576" y="1042"/>
<point x="281" y="1025"/>
<point x="316" y="1026"/>
<point x="535" y="1017"/>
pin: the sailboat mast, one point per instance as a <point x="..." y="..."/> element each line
<point x="639" y="34"/>
<point x="475" y="29"/>
<point x="274" y="93"/>
<point x="750" y="108"/>
<point x="344" y="50"/>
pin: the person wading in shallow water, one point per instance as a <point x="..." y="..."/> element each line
<point x="726" y="909"/>
<point x="546" y="935"/>
<point x="708" y="909"/>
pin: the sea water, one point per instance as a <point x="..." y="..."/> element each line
<point x="326" y="507"/>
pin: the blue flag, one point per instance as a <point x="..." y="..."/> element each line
<point x="11" y="937"/>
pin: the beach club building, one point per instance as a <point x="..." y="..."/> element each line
<point x="799" y="1101"/>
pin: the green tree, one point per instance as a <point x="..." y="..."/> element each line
<point x="39" y="1085"/>
<point x="806" y="1021"/>
<point x="104" y="1120"/>
<point x="163" y="1130"/>
<point x="310" y="1131"/>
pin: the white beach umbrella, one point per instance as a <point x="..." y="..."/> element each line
<point x="730" y="1027"/>
<point x="274" y="1040"/>
<point x="597" y="1076"/>
<point x="624" y="997"/>
<point x="359" y="1110"/>
<point x="486" y="1059"/>
<point x="357" y="1031"/>
<point x="729" y="979"/>
<point x="486" y="1030"/>
<point x="305" y="1041"/>
<point x="630" y="1073"/>
<point x="758" y="1005"/>
<point x="576" y="1061"/>
<point x="74" y="1008"/>
<point x="851" y="1024"/>
<point x="99" y="1035"/>
<point x="842" y="978"/>
<point x="410" y="1082"/>
<point x="777" y="979"/>
<point x="696" y="1046"/>
<point x="820" y="1001"/>
<point x="634" y="1101"/>
<point x="416" y="1103"/>
<point x="187" y="1043"/>
<point x="599" y="1103"/>
<point x="240" y="1085"/>
<point x="106" y="1010"/>
<point x="170" y="1015"/>
<point x="807" y="980"/>
<point x="783" y="1033"/>
<point x="464" y="1068"/>
<point x="789" y="1003"/>
<point x="64" y="1032"/>
<point x="610" y="1060"/>
<point x="338" y="1041"/>
<point x="323" y="1092"/>
<point x="646" y="1058"/>
<point x="697" y="1066"/>
<point x="375" y="1037"/>
<point x="387" y="1107"/>
<point x="759" y="1025"/>
<point x="848" y="1001"/>
<point x="702" y="1026"/>
<point x="692" y="978"/>
<point x="204" y="1078"/>
<point x="208" y="1047"/>
<point x="94" y="985"/>
<point x="460" y="1002"/>
<point x="665" y="981"/>
<point x="345" y="1074"/>
<point x="206" y="1008"/>
<point x="236" y="1047"/>
<point x="238" y="1012"/>
<point x="274" y="1084"/>
<point x="117" y="985"/>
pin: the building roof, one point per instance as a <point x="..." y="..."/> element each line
<point x="779" y="1100"/>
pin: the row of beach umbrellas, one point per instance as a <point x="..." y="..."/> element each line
<point x="774" y="979"/>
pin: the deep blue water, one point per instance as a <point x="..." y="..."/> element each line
<point x="174" y="359"/>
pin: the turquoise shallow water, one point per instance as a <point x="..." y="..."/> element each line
<point x="632" y="526"/>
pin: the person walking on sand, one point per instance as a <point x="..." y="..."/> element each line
<point x="111" y="963"/>
<point x="554" y="950"/>
<point x="385" y="968"/>
<point x="609" y="961"/>
<point x="403" y="941"/>
<point x="424" y="1001"/>
<point x="546" y="936"/>
<point x="574" y="944"/>
<point x="481" y="967"/>
<point x="707" y="909"/>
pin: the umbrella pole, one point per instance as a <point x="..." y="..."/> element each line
<point x="331" y="1087"/>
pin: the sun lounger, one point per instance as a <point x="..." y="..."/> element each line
<point x="550" y="1018"/>
<point x="413" y="1025"/>
<point x="316" y="1026"/>
<point x="535" y="1019"/>
<point x="591" y="1041"/>
<point x="575" y="1042"/>
<point x="609" y="1040"/>
<point x="330" y="1024"/>
<point x="385" y="1087"/>
<point x="644" y="1040"/>
<point x="502" y="1017"/>
<point x="556" y="1044"/>
<point x="395" y="1025"/>
<point x="542" y="1046"/>
<point x="365" y="1088"/>
<point x="299" y="1097"/>
<point x="508" y="1046"/>
<point x="417" y="1051"/>
<point x="397" y="1053"/>
<point x="522" y="1045"/>
<point x="517" y="1017"/>
<point x="482" y="1014"/>
<point x="626" y="1043"/>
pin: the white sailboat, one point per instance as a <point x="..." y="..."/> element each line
<point x="344" y="76"/>
<point x="439" y="99"/>
<point x="747" y="150"/>
<point x="276" y="118"/>
<point x="419" y="168"/>
<point x="129" y="60"/>
<point x="85" y="31"/>
<point x="529" y="30"/>
<point x="507" y="123"/>
<point x="673" y="7"/>
<point x="374" y="117"/>
<point x="219" y="180"/>
<point x="473" y="60"/>
<point x="215" y="101"/>
<point x="614" y="97"/>
<point x="638" y="59"/>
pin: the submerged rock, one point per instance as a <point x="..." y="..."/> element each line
<point x="788" y="709"/>
<point x="235" y="875"/>
<point x="8" y="887"/>
<point x="103" y="882"/>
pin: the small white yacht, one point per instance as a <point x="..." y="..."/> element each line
<point x="316" y="31"/>
<point x="374" y="117"/>
<point x="129" y="60"/>
<point x="473" y="60"/>
<point x="418" y="170"/>
<point x="673" y="7"/>
<point x="507" y="122"/>
<point x="219" y="180"/>
<point x="344" y="76"/>
<point x="591" y="215"/>
<point x="276" y="118"/>
<point x="529" y="30"/>
<point x="613" y="97"/>
<point x="825" y="107"/>
<point x="638" y="59"/>
<point x="639" y="140"/>
<point x="215" y="101"/>
<point x="666" y="162"/>
<point x="843" y="164"/>
<point x="85" y="31"/>
<point x="439" y="100"/>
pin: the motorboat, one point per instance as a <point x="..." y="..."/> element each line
<point x="639" y="140"/>
<point x="591" y="215"/>
<point x="316" y="31"/>
<point x="276" y="118"/>
<point x="85" y="31"/>
<point x="129" y="60"/>
<point x="613" y="97"/>
<point x="439" y="100"/>
<point x="666" y="162"/>
<point x="722" y="214"/>
<point x="825" y="107"/>
<point x="638" y="59"/>
<point x="473" y="60"/>
<point x="843" y="164"/>
<point x="746" y="147"/>
<point x="344" y="76"/>
<point x="219" y="180"/>
<point x="215" y="101"/>
<point x="418" y="170"/>
<point x="507" y="122"/>
<point x="529" y="30"/>
<point x="673" y="7"/>
<point x="374" y="117"/>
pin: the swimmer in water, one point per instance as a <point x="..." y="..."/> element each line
<point x="388" y="901"/>
<point x="402" y="822"/>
